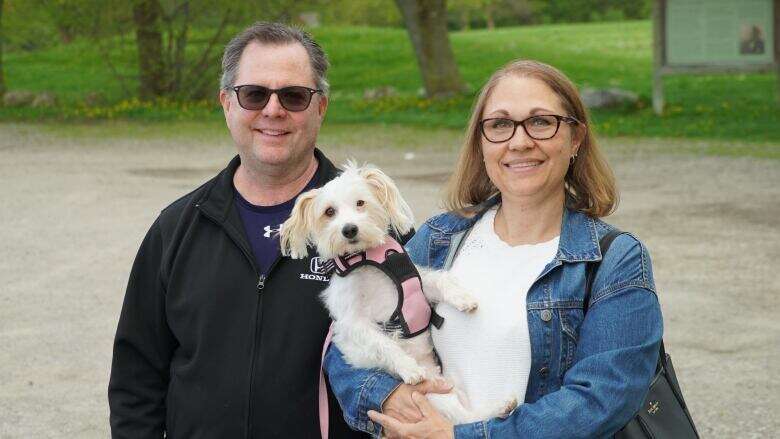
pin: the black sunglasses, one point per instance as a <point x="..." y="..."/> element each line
<point x="293" y="98"/>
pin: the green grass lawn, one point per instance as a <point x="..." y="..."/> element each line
<point x="725" y="107"/>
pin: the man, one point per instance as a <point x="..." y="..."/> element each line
<point x="219" y="336"/>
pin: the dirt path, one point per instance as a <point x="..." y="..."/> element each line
<point x="74" y="212"/>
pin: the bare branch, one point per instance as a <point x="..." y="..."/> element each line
<point x="205" y="57"/>
<point x="95" y="33"/>
<point x="179" y="61"/>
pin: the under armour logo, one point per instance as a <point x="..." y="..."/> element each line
<point x="321" y="266"/>
<point x="269" y="230"/>
<point x="653" y="407"/>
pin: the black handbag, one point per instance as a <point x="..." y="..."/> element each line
<point x="664" y="413"/>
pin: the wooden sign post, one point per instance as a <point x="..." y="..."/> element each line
<point x="714" y="36"/>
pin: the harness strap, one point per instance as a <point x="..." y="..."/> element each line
<point x="436" y="319"/>
<point x="323" y="391"/>
<point x="413" y="314"/>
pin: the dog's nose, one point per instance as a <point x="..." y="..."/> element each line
<point x="349" y="231"/>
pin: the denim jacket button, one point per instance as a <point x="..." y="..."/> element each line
<point x="544" y="371"/>
<point x="546" y="315"/>
<point x="370" y="427"/>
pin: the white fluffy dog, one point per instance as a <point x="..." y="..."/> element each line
<point x="351" y="214"/>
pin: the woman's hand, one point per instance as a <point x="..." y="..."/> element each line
<point x="400" y="406"/>
<point x="432" y="424"/>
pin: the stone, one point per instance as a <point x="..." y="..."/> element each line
<point x="94" y="99"/>
<point x="608" y="98"/>
<point x="380" y="92"/>
<point x="309" y="19"/>
<point x="18" y="98"/>
<point x="45" y="99"/>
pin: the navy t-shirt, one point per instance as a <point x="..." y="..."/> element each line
<point x="262" y="224"/>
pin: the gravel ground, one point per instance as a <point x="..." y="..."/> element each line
<point x="75" y="210"/>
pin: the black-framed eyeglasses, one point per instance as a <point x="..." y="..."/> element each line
<point x="538" y="127"/>
<point x="255" y="97"/>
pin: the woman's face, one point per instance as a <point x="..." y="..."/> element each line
<point x="522" y="167"/>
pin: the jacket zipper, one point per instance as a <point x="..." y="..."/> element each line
<point x="256" y="343"/>
<point x="260" y="285"/>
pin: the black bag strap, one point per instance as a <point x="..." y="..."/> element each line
<point x="592" y="268"/>
<point x="590" y="274"/>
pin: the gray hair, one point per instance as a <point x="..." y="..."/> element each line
<point x="275" y="34"/>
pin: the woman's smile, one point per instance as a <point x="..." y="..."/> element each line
<point x="523" y="166"/>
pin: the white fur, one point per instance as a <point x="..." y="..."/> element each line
<point x="366" y="296"/>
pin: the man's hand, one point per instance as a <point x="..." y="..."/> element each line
<point x="400" y="405"/>
<point x="432" y="425"/>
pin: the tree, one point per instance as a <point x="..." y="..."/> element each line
<point x="147" y="16"/>
<point x="483" y="9"/>
<point x="426" y="22"/>
<point x="173" y="63"/>
<point x="2" y="76"/>
<point x="466" y="14"/>
<point x="569" y="11"/>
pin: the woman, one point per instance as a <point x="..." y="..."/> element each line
<point x="523" y="227"/>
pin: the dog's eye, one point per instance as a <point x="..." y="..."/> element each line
<point x="360" y="203"/>
<point x="330" y="211"/>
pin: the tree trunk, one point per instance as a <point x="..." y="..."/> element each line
<point x="426" y="22"/>
<point x="148" y="37"/>
<point x="179" y="60"/>
<point x="465" y="20"/>
<point x="2" y="76"/>
<point x="491" y="24"/>
<point x="777" y="47"/>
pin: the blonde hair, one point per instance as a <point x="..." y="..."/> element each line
<point x="589" y="182"/>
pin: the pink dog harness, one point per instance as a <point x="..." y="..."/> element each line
<point x="412" y="315"/>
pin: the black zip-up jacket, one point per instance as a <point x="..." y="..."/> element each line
<point x="208" y="348"/>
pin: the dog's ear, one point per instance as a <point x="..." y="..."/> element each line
<point x="385" y="190"/>
<point x="296" y="231"/>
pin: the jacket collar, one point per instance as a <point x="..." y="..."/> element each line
<point x="217" y="202"/>
<point x="579" y="239"/>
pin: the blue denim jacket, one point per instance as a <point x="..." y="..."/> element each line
<point x="589" y="376"/>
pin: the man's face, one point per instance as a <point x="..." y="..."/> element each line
<point x="274" y="136"/>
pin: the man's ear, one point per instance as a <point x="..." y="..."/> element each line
<point x="224" y="99"/>
<point x="322" y="106"/>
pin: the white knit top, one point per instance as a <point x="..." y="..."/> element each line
<point x="487" y="353"/>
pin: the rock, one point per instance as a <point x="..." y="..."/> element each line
<point x="44" y="99"/>
<point x="18" y="98"/>
<point x="608" y="98"/>
<point x="380" y="92"/>
<point x="310" y="19"/>
<point x="94" y="99"/>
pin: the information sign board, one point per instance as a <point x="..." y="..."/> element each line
<point x="713" y="36"/>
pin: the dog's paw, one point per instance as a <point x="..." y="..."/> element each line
<point x="507" y="408"/>
<point x="412" y="374"/>
<point x="464" y="302"/>
<point x="440" y="382"/>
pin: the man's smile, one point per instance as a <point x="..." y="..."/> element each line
<point x="271" y="132"/>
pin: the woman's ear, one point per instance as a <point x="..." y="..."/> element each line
<point x="385" y="190"/>
<point x="578" y="136"/>
<point x="295" y="235"/>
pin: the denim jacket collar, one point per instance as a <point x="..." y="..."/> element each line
<point x="579" y="240"/>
